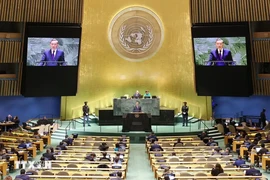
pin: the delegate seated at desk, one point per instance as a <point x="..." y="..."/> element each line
<point x="137" y="95"/>
<point x="147" y="94"/>
<point x="137" y="107"/>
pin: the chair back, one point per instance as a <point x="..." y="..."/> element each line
<point x="220" y="128"/>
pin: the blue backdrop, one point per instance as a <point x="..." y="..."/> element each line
<point x="27" y="108"/>
<point x="253" y="105"/>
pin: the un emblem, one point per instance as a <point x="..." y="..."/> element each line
<point x="136" y="33"/>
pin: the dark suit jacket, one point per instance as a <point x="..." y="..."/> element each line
<point x="251" y="171"/>
<point x="137" y="109"/>
<point x="48" y="59"/>
<point x="262" y="117"/>
<point x="49" y="156"/>
<point x="23" y="177"/>
<point x="216" y="172"/>
<point x="214" y="56"/>
<point x="156" y="146"/>
<point x="86" y="110"/>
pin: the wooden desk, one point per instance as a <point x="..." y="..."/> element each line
<point x="237" y="144"/>
<point x="215" y="177"/>
<point x="243" y="149"/>
<point x="250" y="128"/>
<point x="7" y="124"/>
<point x="46" y="140"/>
<point x="265" y="161"/>
<point x="50" y="177"/>
<point x="3" y="168"/>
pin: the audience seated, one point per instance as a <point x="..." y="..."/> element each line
<point x="263" y="150"/>
<point x="117" y="147"/>
<point x="217" y="170"/>
<point x="28" y="143"/>
<point x="239" y="162"/>
<point x="226" y="152"/>
<point x="156" y="147"/>
<point x="48" y="155"/>
<point x="62" y="146"/>
<point x="211" y="142"/>
<point x="22" y="145"/>
<point x="37" y="135"/>
<point x="103" y="147"/>
<point x="16" y="122"/>
<point x="4" y="154"/>
<point x="178" y="142"/>
<point x="105" y="157"/>
<point x="252" y="171"/>
<point x="91" y="157"/>
<point x="119" y="156"/>
<point x="23" y="176"/>
<point x="14" y="151"/>
<point x="117" y="162"/>
<point x="152" y="136"/>
<point x="216" y="151"/>
<point x="68" y="140"/>
<point x="9" y="118"/>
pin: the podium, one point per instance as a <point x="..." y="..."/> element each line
<point x="137" y="121"/>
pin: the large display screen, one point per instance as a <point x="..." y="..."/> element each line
<point x="220" y="51"/>
<point x="52" y="51"/>
<point x="51" y="59"/>
<point x="222" y="56"/>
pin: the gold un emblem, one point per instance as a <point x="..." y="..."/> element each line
<point x="136" y="33"/>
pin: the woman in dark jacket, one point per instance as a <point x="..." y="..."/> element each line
<point x="217" y="170"/>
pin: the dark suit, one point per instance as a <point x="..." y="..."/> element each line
<point x="156" y="146"/>
<point x="215" y="56"/>
<point x="49" y="156"/>
<point x="137" y="109"/>
<point x="216" y="172"/>
<point x="252" y="171"/>
<point x="23" y="177"/>
<point x="239" y="162"/>
<point x="48" y="59"/>
<point x="262" y="119"/>
<point x="185" y="115"/>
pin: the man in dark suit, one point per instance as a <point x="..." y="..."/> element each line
<point x="137" y="107"/>
<point x="48" y="155"/>
<point x="219" y="55"/>
<point x="53" y="56"/>
<point x="185" y="113"/>
<point x="239" y="162"/>
<point x="263" y="118"/>
<point x="22" y="145"/>
<point x="9" y="118"/>
<point x="86" y="111"/>
<point x="23" y="176"/>
<point x="252" y="171"/>
<point x="156" y="146"/>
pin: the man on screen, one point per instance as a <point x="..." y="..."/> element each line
<point x="219" y="55"/>
<point x="53" y="56"/>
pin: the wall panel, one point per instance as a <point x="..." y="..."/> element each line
<point x="210" y="11"/>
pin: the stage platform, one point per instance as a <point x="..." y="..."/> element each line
<point x="195" y="127"/>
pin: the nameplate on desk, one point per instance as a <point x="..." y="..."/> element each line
<point x="136" y="123"/>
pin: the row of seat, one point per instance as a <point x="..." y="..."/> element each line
<point x="72" y="163"/>
<point x="192" y="164"/>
